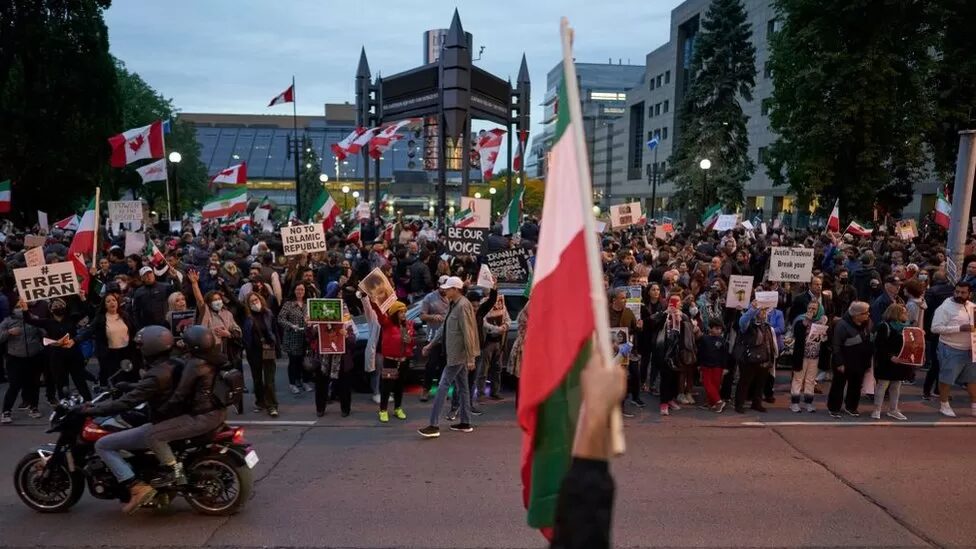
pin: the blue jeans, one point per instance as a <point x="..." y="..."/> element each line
<point x="108" y="448"/>
<point x="453" y="373"/>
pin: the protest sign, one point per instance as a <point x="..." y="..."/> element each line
<point x="767" y="300"/>
<point x="267" y="226"/>
<point x="362" y="211"/>
<point x="480" y="209"/>
<point x="818" y="331"/>
<point x="726" y="222"/>
<point x="46" y="281"/>
<point x="303" y="239"/>
<point x="42" y="220"/>
<point x="912" y="346"/>
<point x="34" y="257"/>
<point x="906" y="229"/>
<point x="175" y="227"/>
<point x="135" y="243"/>
<point x="601" y="226"/>
<point x="485" y="278"/>
<point x="332" y="339"/>
<point x="740" y="288"/>
<point x="465" y="240"/>
<point x="509" y="265"/>
<point x="663" y="231"/>
<point x="197" y="228"/>
<point x="747" y="225"/>
<point x="125" y="210"/>
<point x="623" y="215"/>
<point x="634" y="300"/>
<point x="179" y="321"/>
<point x="33" y="241"/>
<point x="790" y="264"/>
<point x="324" y="310"/>
<point x="379" y="289"/>
<point x="763" y="226"/>
<point x="261" y="215"/>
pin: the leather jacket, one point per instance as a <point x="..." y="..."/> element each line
<point x="194" y="393"/>
<point x="154" y="389"/>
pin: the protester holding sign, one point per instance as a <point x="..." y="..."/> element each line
<point x="63" y="352"/>
<point x="114" y="338"/>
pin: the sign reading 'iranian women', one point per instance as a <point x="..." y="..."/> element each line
<point x="790" y="264"/>
<point x="303" y="239"/>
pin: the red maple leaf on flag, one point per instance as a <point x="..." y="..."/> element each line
<point x="136" y="142"/>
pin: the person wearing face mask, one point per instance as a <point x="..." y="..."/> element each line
<point x="261" y="348"/>
<point x="64" y="355"/>
<point x="292" y="320"/>
<point x="213" y="315"/>
<point x="24" y="362"/>
<point x="844" y="292"/>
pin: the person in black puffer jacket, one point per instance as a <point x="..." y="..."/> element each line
<point x="194" y="399"/>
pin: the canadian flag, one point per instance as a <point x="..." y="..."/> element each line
<point x="155" y="171"/>
<point x="358" y="143"/>
<point x="520" y="151"/>
<point x="488" y="145"/>
<point x="287" y="96"/>
<point x="137" y="144"/>
<point x="235" y="175"/>
<point x="387" y="135"/>
<point x="341" y="149"/>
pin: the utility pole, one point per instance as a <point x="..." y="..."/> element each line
<point x="961" y="197"/>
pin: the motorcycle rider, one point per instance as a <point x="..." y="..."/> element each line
<point x="155" y="387"/>
<point x="194" y="398"/>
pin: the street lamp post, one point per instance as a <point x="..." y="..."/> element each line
<point x="705" y="165"/>
<point x="345" y="197"/>
<point x="174" y="205"/>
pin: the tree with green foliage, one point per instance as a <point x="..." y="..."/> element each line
<point x="850" y="106"/>
<point x="59" y="102"/>
<point x="310" y="170"/>
<point x="712" y="124"/>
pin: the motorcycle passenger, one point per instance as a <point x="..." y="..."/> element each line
<point x="155" y="387"/>
<point x="194" y="398"/>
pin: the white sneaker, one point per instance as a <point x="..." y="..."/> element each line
<point x="674" y="406"/>
<point x="876" y="414"/>
<point x="946" y="410"/>
<point x="376" y="399"/>
<point x="308" y="387"/>
<point x="895" y="414"/>
<point x="690" y="399"/>
<point x="811" y="408"/>
<point x="794" y="407"/>
<point x="681" y="399"/>
<point x="294" y="389"/>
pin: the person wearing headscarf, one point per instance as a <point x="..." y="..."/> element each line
<point x="810" y="337"/>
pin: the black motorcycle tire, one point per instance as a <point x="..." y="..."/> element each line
<point x="74" y="493"/>
<point x="201" y="469"/>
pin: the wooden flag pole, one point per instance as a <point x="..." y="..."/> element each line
<point x="98" y="196"/>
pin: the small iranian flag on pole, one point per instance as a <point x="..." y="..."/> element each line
<point x="84" y="240"/>
<point x="325" y="208"/>
<point x="567" y="278"/>
<point x="858" y="230"/>
<point x="513" y="214"/>
<point x="224" y="205"/>
<point x="833" y="222"/>
<point x="464" y="218"/>
<point x="711" y="216"/>
<point x="155" y="256"/>
<point x="943" y="210"/>
<point x="355" y="235"/>
<point x="5" y="196"/>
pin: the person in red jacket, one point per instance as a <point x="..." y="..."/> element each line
<point x="396" y="346"/>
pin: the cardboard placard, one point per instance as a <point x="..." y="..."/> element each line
<point x="362" y="211"/>
<point x="906" y="229"/>
<point x="740" y="288"/>
<point x="135" y="243"/>
<point x="332" y="339"/>
<point x="634" y="299"/>
<point x="790" y="264"/>
<point x="726" y="222"/>
<point x="125" y="210"/>
<point x="379" y="289"/>
<point x="663" y="231"/>
<point x="42" y="221"/>
<point x="465" y="240"/>
<point x="34" y="257"/>
<point x="261" y="215"/>
<point x="46" y="281"/>
<point x="485" y="278"/>
<point x="767" y="300"/>
<point x="480" y="208"/>
<point x="912" y="346"/>
<point x="601" y="226"/>
<point x="179" y="321"/>
<point x="624" y="215"/>
<point x="509" y="265"/>
<point x="175" y="227"/>
<point x="303" y="239"/>
<point x="748" y="225"/>
<point x="323" y="310"/>
<point x="33" y="241"/>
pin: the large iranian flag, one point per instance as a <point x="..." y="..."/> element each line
<point x="226" y="204"/>
<point x="943" y="211"/>
<point x="562" y="311"/>
<point x="326" y="208"/>
<point x="84" y="240"/>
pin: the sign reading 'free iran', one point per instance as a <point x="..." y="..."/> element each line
<point x="303" y="239"/>
<point x="790" y="264"/>
<point x="46" y="281"/>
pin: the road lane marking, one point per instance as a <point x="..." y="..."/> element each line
<point x="858" y="424"/>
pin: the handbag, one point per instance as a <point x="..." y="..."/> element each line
<point x="311" y="362"/>
<point x="268" y="352"/>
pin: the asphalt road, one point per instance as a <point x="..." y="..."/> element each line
<point x="692" y="480"/>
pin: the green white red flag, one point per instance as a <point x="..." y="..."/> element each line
<point x="943" y="210"/>
<point x="464" y="218"/>
<point x="226" y="204"/>
<point x="325" y="208"/>
<point x="84" y="240"/>
<point x="513" y="214"/>
<point x="566" y="310"/>
<point x="5" y="196"/>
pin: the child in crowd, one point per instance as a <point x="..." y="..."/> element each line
<point x="713" y="357"/>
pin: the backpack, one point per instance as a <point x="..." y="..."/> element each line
<point x="753" y="347"/>
<point x="228" y="388"/>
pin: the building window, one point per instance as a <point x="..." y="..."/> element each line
<point x="772" y="27"/>
<point x="652" y="83"/>
<point x="660" y="78"/>
<point x="664" y="133"/>
<point x="650" y="112"/>
<point x="764" y="109"/>
<point x="667" y="77"/>
<point x="608" y="96"/>
<point x="762" y="155"/>
<point x="767" y="70"/>
<point x="657" y="133"/>
<point x="666" y="106"/>
<point x="657" y="109"/>
<point x="636" y="141"/>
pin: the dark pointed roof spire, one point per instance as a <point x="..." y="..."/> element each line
<point x="363" y="70"/>
<point x="523" y="75"/>
<point x="455" y="34"/>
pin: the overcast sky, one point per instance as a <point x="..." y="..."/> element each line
<point x="233" y="56"/>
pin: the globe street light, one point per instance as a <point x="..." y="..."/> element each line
<point x="705" y="165"/>
<point x="324" y="178"/>
<point x="477" y="195"/>
<point x="596" y="210"/>
<point x="492" y="190"/>
<point x="355" y="194"/>
<point x="173" y="205"/>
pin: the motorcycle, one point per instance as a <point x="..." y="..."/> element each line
<point x="52" y="478"/>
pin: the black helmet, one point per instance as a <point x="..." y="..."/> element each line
<point x="154" y="340"/>
<point x="199" y="339"/>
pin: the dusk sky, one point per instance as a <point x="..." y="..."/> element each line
<point x="233" y="56"/>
